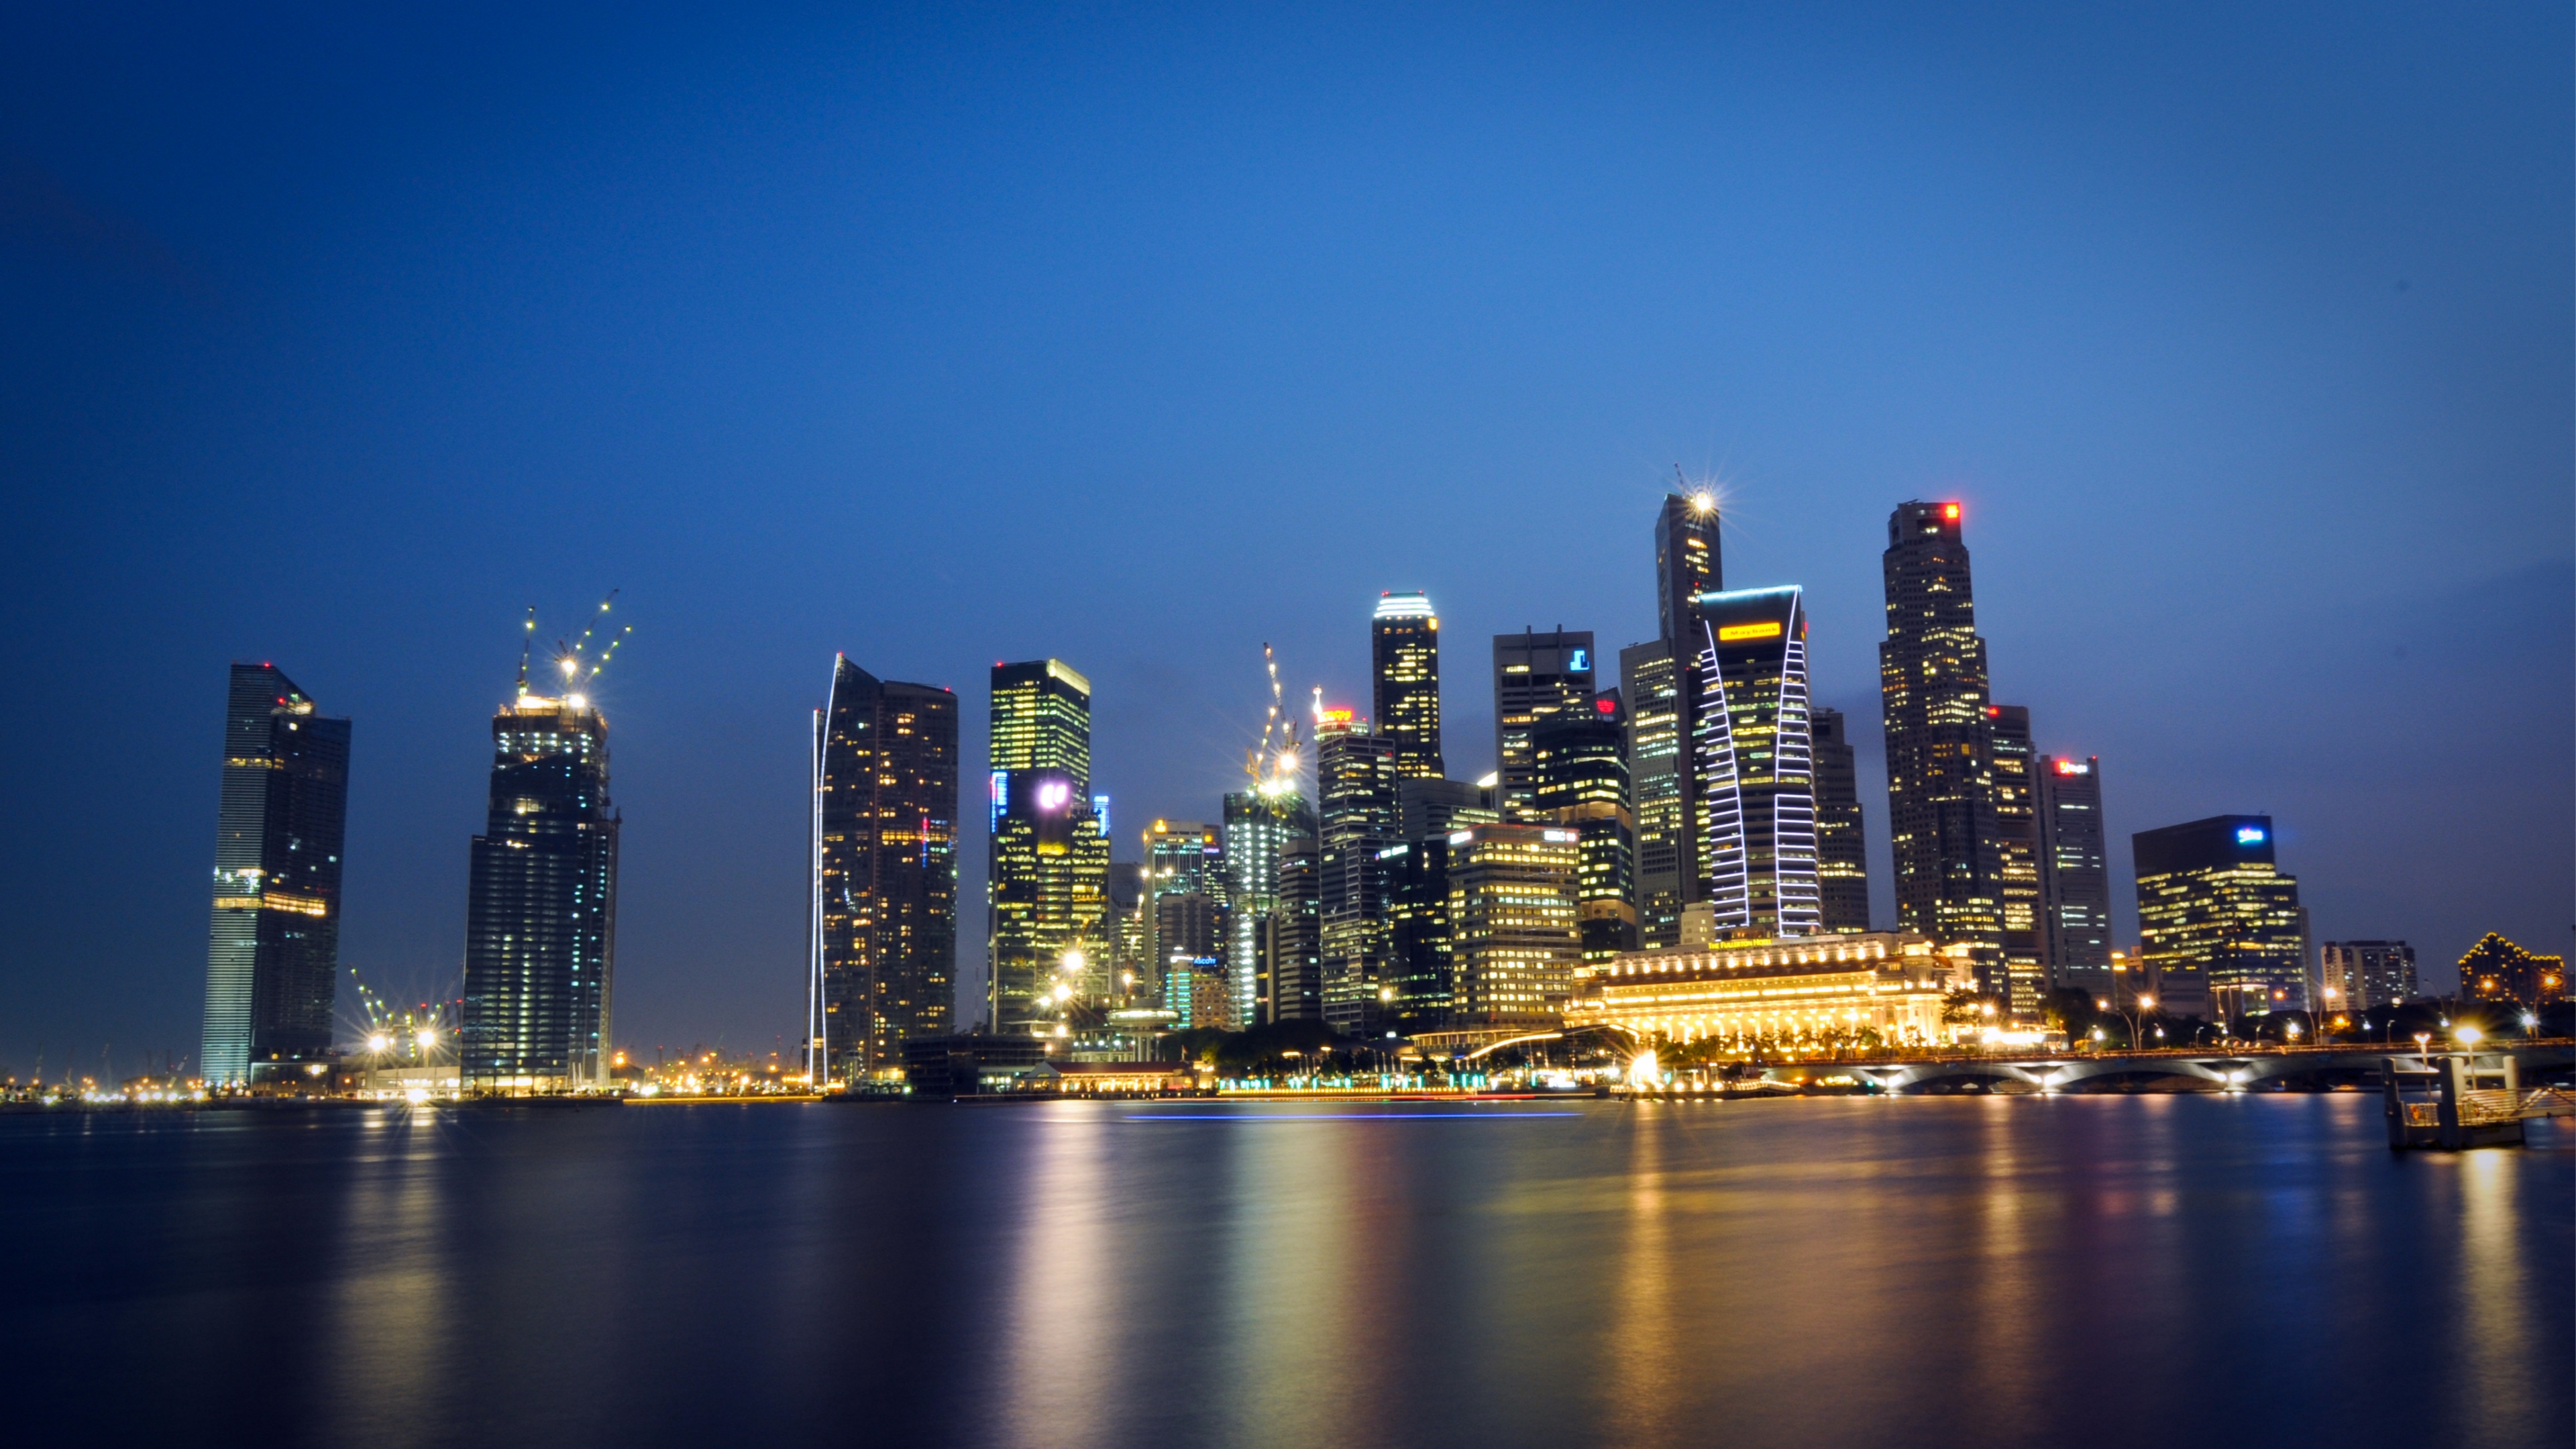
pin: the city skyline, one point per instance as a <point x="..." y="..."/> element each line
<point x="2265" y="448"/>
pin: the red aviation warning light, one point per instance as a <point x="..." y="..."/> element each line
<point x="1950" y="512"/>
<point x="1605" y="706"/>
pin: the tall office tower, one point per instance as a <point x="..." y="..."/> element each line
<point x="273" y="948"/>
<point x="2211" y="899"/>
<point x="1187" y="926"/>
<point x="1182" y="857"/>
<point x="1131" y="928"/>
<point x="1419" y="979"/>
<point x="1651" y="688"/>
<point x="1047" y="888"/>
<point x="1580" y="760"/>
<point x="1756" y="789"/>
<point x="1688" y="563"/>
<point x="1404" y="675"/>
<point x="1437" y="806"/>
<point x="2362" y="974"/>
<point x="1514" y="937"/>
<point x="1536" y="677"/>
<point x="2017" y="857"/>
<point x="1291" y="963"/>
<point x="1842" y="852"/>
<point x="1940" y="777"/>
<point x="541" y="908"/>
<point x="1259" y="826"/>
<point x="2074" y="875"/>
<point x="883" y="915"/>
<point x="1358" y="816"/>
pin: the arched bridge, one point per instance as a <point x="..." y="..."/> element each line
<point x="2212" y="1071"/>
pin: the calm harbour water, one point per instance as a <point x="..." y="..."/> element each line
<point x="1995" y="1271"/>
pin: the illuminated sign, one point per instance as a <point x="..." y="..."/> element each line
<point x="2249" y="835"/>
<point x="1335" y="716"/>
<point x="1580" y="662"/>
<point x="1001" y="792"/>
<point x="1606" y="706"/>
<point x="1461" y="837"/>
<point x="1731" y="632"/>
<point x="1053" y="794"/>
<point x="1559" y="837"/>
<point x="1100" y="811"/>
<point x="2069" y="767"/>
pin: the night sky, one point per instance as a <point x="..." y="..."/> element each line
<point x="1143" y="337"/>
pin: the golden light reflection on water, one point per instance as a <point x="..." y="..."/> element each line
<point x="391" y="1313"/>
<point x="1641" y="1353"/>
<point x="1064" y="1310"/>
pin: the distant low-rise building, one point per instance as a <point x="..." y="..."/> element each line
<point x="2358" y="974"/>
<point x="2496" y="969"/>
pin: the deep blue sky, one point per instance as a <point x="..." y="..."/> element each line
<point x="1142" y="337"/>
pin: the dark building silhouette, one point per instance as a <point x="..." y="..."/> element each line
<point x="1650" y="687"/>
<point x="2074" y="875"/>
<point x="1291" y="958"/>
<point x="1940" y="774"/>
<point x="273" y="947"/>
<point x="1358" y="815"/>
<point x="1842" y="851"/>
<point x="1437" y="806"/>
<point x="1688" y="563"/>
<point x="541" y="909"/>
<point x="1419" y="974"/>
<point x="1579" y="766"/>
<point x="884" y="910"/>
<point x="1536" y="678"/>
<point x="1404" y="682"/>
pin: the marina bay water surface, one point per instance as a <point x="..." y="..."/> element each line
<point x="2006" y="1271"/>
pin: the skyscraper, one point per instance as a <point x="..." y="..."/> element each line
<point x="1513" y="924"/>
<point x="2211" y="899"/>
<point x="1688" y="560"/>
<point x="1536" y="677"/>
<point x="2074" y="875"/>
<point x="273" y="947"/>
<point x="1579" y="760"/>
<point x="1940" y="777"/>
<point x="1291" y="961"/>
<point x="2017" y="856"/>
<point x="1419" y="978"/>
<point x="1688" y="563"/>
<point x="1435" y="807"/>
<point x="541" y="909"/>
<point x="1262" y="825"/>
<point x="1358" y="816"/>
<point x="884" y="908"/>
<point x="1754" y="764"/>
<point x="1842" y="853"/>
<point x="2363" y="974"/>
<point x="1404" y="675"/>
<point x="1182" y="858"/>
<point x="1048" y="884"/>
<point x="1651" y="689"/>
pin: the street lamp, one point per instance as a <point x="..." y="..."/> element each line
<point x="2468" y="1036"/>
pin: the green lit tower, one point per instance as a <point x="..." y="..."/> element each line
<point x="1047" y="890"/>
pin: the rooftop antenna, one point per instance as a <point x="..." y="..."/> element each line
<point x="527" y="637"/>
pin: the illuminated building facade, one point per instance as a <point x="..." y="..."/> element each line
<point x="1537" y="677"/>
<point x="1514" y="933"/>
<point x="1579" y="759"/>
<point x="1940" y="779"/>
<point x="2496" y="969"/>
<point x="2361" y="974"/>
<point x="2017" y="856"/>
<point x="1753" y="764"/>
<point x="1290" y="964"/>
<point x="883" y="914"/>
<point x="1182" y="858"/>
<point x="273" y="946"/>
<point x="1404" y="679"/>
<point x="541" y="908"/>
<point x="1688" y="563"/>
<point x="1842" y="852"/>
<point x="1877" y="988"/>
<point x="1260" y="828"/>
<point x="1047" y="885"/>
<point x="2074" y="875"/>
<point x="1359" y="814"/>
<point x="2211" y="898"/>
<point x="1651" y="688"/>
<point x="1419" y="978"/>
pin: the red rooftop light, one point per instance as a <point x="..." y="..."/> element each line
<point x="1605" y="706"/>
<point x="1950" y="511"/>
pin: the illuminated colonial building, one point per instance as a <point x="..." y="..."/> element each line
<point x="2210" y="898"/>
<point x="1880" y="986"/>
<point x="1514" y="938"/>
<point x="884" y="871"/>
<point x="2074" y="875"/>
<point x="1842" y="853"/>
<point x="1753" y="763"/>
<point x="2017" y="856"/>
<point x="2496" y="969"/>
<point x="273" y="947"/>
<point x="541" y="909"/>
<point x="1537" y="677"/>
<point x="1940" y="780"/>
<point x="1048" y="884"/>
<point x="1650" y="687"/>
<point x="1359" y="814"/>
<point x="1580" y="762"/>
<point x="1404" y="677"/>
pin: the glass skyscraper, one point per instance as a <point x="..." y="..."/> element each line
<point x="884" y="871"/>
<point x="1689" y="562"/>
<point x="2212" y="900"/>
<point x="541" y="908"/>
<point x="1755" y="764"/>
<point x="1358" y="815"/>
<point x="2017" y="856"/>
<point x="1579" y="760"/>
<point x="1651" y="688"/>
<point x="273" y="947"/>
<point x="1842" y="852"/>
<point x="1940" y="773"/>
<point x="1262" y="827"/>
<point x="1404" y="682"/>
<point x="2074" y="875"/>
<point x="1047" y="888"/>
<point x="1514" y="930"/>
<point x="1536" y="677"/>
